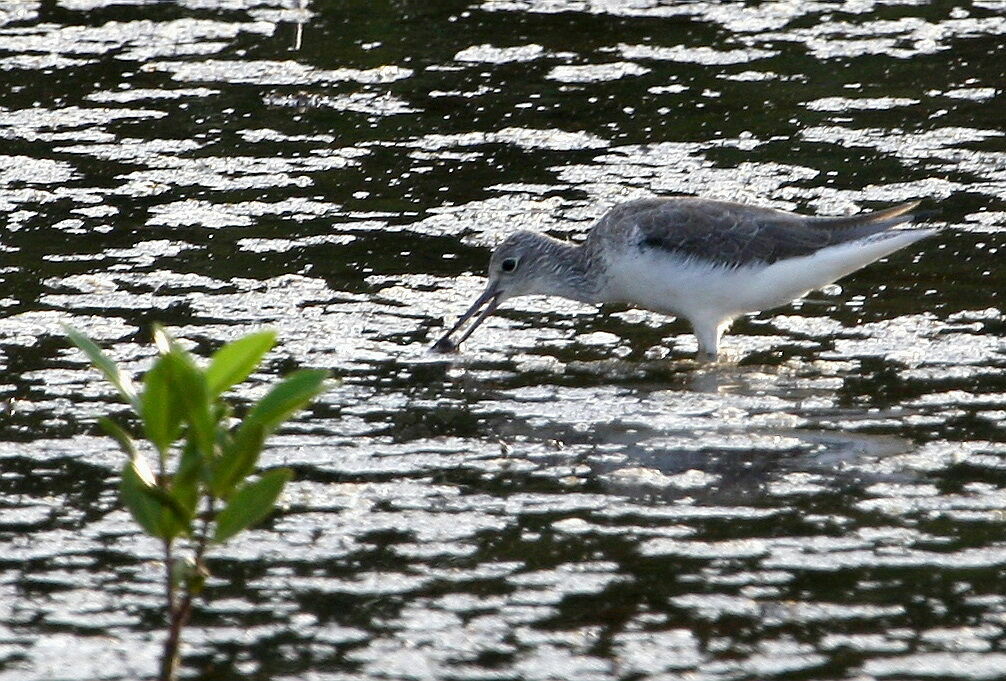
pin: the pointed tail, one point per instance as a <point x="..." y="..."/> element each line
<point x="854" y="227"/>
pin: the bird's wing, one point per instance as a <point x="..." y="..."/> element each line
<point x="888" y="217"/>
<point x="733" y="235"/>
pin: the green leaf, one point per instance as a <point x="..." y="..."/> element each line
<point x="185" y="484"/>
<point x="186" y="574"/>
<point x="237" y="460"/>
<point x="146" y="508"/>
<point x="232" y="363"/>
<point x="159" y="407"/>
<point x="163" y="341"/>
<point x="182" y="570"/>
<point x="174" y="518"/>
<point x="222" y="413"/>
<point x="191" y="397"/>
<point x="116" y="431"/>
<point x="105" y="365"/>
<point x="291" y="394"/>
<point x="250" y="504"/>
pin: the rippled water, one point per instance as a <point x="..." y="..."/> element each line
<point x="574" y="497"/>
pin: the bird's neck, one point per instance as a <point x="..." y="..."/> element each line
<point x="575" y="272"/>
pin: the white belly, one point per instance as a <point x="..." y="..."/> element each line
<point x="704" y="293"/>
<point x="678" y="287"/>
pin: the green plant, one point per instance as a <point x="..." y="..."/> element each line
<point x="202" y="493"/>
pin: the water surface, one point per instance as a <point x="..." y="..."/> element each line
<point x="573" y="497"/>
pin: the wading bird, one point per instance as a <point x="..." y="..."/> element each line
<point x="707" y="261"/>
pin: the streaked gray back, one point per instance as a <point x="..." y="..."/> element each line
<point x="733" y="234"/>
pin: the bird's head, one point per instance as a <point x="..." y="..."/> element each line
<point x="520" y="266"/>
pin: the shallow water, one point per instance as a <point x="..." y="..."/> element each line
<point x="573" y="497"/>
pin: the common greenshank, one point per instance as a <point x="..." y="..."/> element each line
<point x="707" y="261"/>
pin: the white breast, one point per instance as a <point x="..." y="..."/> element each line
<point x="683" y="287"/>
<point x="698" y="290"/>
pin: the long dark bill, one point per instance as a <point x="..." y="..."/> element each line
<point x="490" y="298"/>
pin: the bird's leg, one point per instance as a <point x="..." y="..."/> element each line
<point x="708" y="333"/>
<point x="706" y="356"/>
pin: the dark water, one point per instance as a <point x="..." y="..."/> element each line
<point x="574" y="497"/>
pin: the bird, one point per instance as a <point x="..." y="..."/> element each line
<point x="707" y="261"/>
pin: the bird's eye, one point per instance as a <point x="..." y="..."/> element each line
<point x="509" y="264"/>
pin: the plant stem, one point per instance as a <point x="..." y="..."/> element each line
<point x="169" y="661"/>
<point x="169" y="581"/>
<point x="172" y="645"/>
<point x="180" y="611"/>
